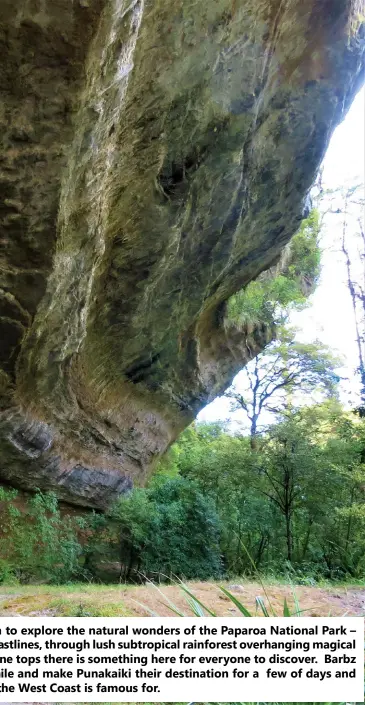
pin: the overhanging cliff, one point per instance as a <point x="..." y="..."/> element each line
<point x="156" y="157"/>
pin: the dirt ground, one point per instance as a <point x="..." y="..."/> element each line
<point x="100" y="600"/>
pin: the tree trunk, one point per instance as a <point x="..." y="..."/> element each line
<point x="306" y="539"/>
<point x="253" y="433"/>
<point x="349" y="523"/>
<point x="261" y="549"/>
<point x="289" y="537"/>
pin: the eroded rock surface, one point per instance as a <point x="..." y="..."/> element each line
<point x="156" y="157"/>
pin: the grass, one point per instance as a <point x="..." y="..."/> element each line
<point x="263" y="606"/>
<point x="126" y="600"/>
<point x="74" y="600"/>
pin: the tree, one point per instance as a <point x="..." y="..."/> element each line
<point x="296" y="503"/>
<point x="347" y="203"/>
<point x="288" y="461"/>
<point x="272" y="378"/>
<point x="225" y="468"/>
<point x="168" y="529"/>
<point x="353" y="249"/>
<point x="185" y="541"/>
<point x="313" y="472"/>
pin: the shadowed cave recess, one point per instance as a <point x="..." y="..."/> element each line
<point x="156" y="157"/>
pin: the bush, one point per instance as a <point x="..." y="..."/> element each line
<point x="36" y="542"/>
<point x="170" y="529"/>
<point x="186" y="537"/>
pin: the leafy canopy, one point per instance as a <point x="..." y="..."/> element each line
<point x="287" y="371"/>
<point x="271" y="297"/>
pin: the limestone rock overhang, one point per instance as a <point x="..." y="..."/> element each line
<point x="156" y="157"/>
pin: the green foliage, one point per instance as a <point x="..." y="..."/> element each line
<point x="185" y="541"/>
<point x="305" y="255"/>
<point x="295" y="503"/>
<point x="270" y="298"/>
<point x="292" y="506"/>
<point x="286" y="370"/>
<point x="36" y="542"/>
<point x="169" y="529"/>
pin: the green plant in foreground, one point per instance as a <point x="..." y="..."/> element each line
<point x="199" y="609"/>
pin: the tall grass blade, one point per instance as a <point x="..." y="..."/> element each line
<point x="236" y="602"/>
<point x="296" y="604"/>
<point x="191" y="595"/>
<point x="258" y="575"/>
<point x="195" y="607"/>
<point x="286" y="610"/>
<point x="147" y="609"/>
<point x="175" y="610"/>
<point x="167" y="602"/>
<point x="261" y="604"/>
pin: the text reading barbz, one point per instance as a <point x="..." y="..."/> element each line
<point x="120" y="660"/>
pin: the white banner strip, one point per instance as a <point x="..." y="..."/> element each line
<point x="176" y="660"/>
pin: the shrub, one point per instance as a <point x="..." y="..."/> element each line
<point x="169" y="529"/>
<point x="36" y="542"/>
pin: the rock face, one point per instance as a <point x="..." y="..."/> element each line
<point x="155" y="158"/>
